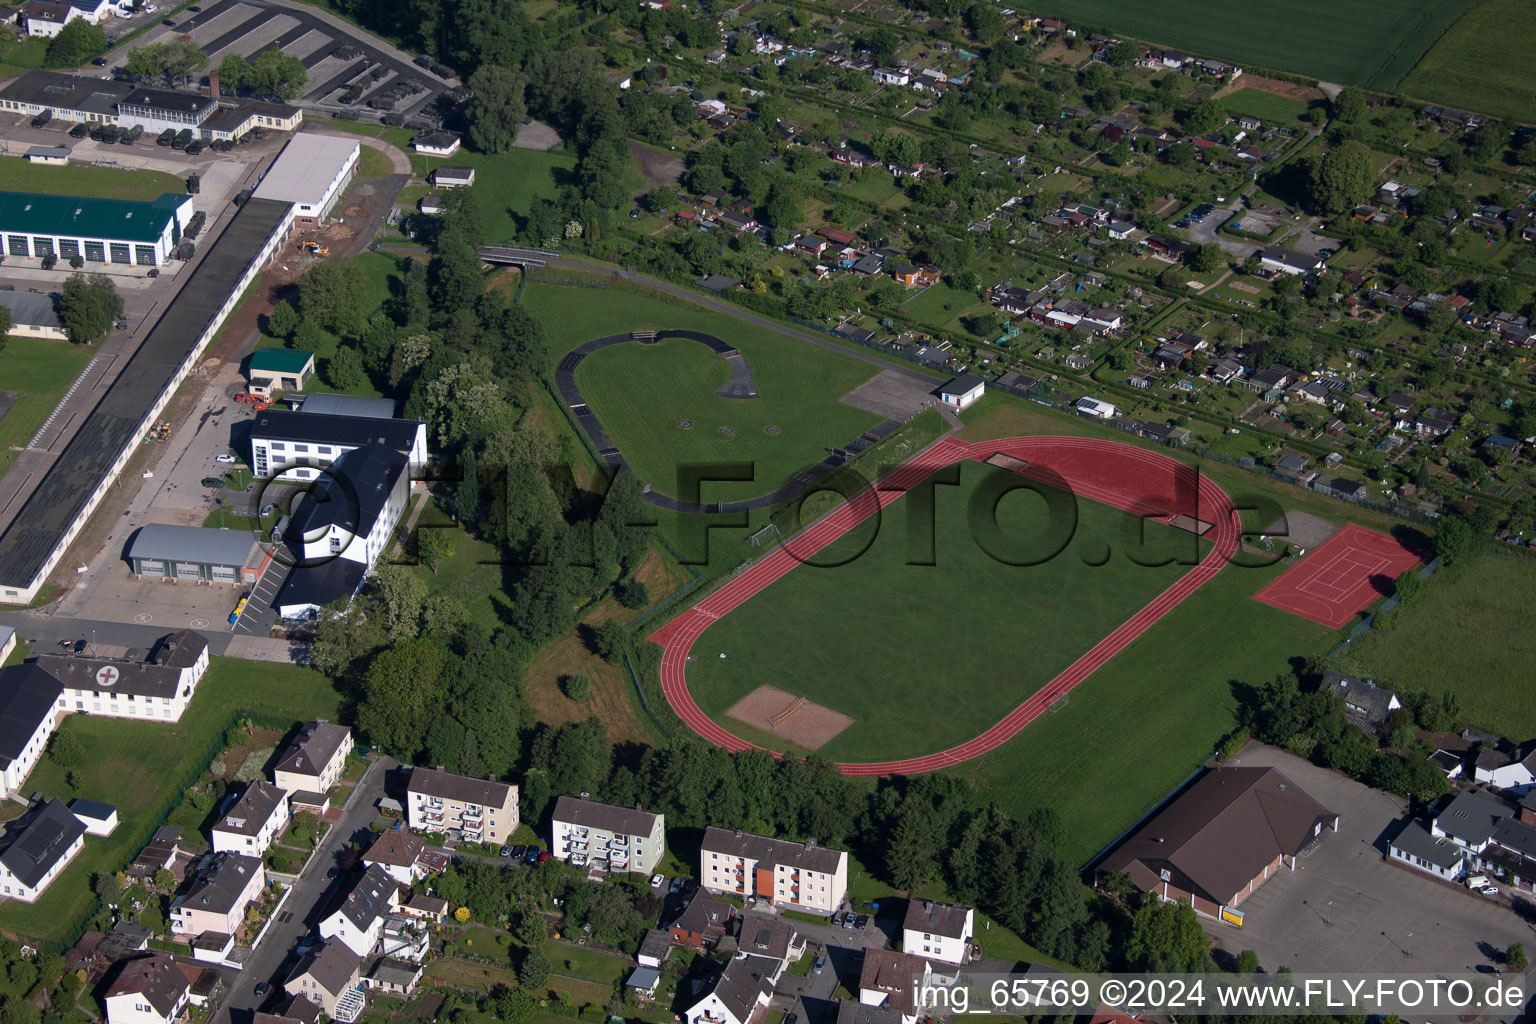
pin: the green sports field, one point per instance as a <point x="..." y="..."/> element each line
<point x="96" y="182"/>
<point x="38" y="372"/>
<point x="954" y="645"/>
<point x="1482" y="63"/>
<point x="1354" y="42"/>
<point x="641" y="392"/>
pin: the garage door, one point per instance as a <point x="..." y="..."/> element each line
<point x="189" y="571"/>
<point x="148" y="568"/>
<point x="223" y="574"/>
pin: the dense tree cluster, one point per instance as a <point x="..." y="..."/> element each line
<point x="271" y="73"/>
<point x="1310" y="723"/>
<point x="174" y="62"/>
<point x="88" y="306"/>
<point x="77" y="42"/>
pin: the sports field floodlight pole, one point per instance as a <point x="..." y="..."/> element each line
<point x="1328" y="916"/>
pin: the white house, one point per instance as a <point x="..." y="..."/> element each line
<point x="938" y="931"/>
<point x="770" y="945"/>
<point x="148" y="990"/>
<point x="891" y="76"/>
<point x="801" y="876"/>
<point x="735" y="997"/>
<point x="359" y="921"/>
<point x="617" y="838"/>
<point x="1503" y="767"/>
<point x="254" y="822"/>
<point x="962" y="392"/>
<point x="47" y="18"/>
<point x="36" y="848"/>
<point x="1104" y="320"/>
<point x="1440" y="856"/>
<point x="436" y="143"/>
<point x="1095" y="409"/>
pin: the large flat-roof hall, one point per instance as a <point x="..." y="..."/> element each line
<point x="119" y="231"/>
<point x="311" y="173"/>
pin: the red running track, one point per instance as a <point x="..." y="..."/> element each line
<point x="1124" y="476"/>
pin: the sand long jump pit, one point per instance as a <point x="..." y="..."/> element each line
<point x="788" y="717"/>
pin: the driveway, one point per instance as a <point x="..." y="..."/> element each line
<point x="1346" y="909"/>
<point x="311" y="897"/>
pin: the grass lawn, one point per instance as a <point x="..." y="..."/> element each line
<point x="18" y="56"/>
<point x="40" y="372"/>
<point x="373" y="163"/>
<point x="506" y="184"/>
<point x="1477" y="63"/>
<point x="941" y="306"/>
<point x="1467" y="632"/>
<point x="1264" y="106"/>
<point x="584" y="962"/>
<point x="132" y="765"/>
<point x="96" y="182"/>
<point x="948" y="636"/>
<point x="641" y="392"/>
<point x="1311" y="37"/>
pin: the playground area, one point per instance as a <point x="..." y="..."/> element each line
<point x="790" y="718"/>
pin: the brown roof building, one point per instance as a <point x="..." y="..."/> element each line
<point x="888" y="980"/>
<point x="1222" y="838"/>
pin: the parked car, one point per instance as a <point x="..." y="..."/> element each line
<point x="820" y="964"/>
<point x="194" y="148"/>
<point x="213" y="481"/>
<point x="849" y="921"/>
<point x="229" y="460"/>
<point x="532" y="856"/>
<point x="1486" y="969"/>
<point x="862" y="921"/>
<point x="543" y="856"/>
<point x="100" y="62"/>
<point x="78" y="131"/>
<point x="262" y="988"/>
<point x="518" y="851"/>
<point x="506" y="851"/>
<point x="1489" y="890"/>
<point x="41" y="119"/>
<point x="657" y="881"/>
<point x="166" y="137"/>
<point x="676" y="886"/>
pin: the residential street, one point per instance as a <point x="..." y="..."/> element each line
<point x="310" y="897"/>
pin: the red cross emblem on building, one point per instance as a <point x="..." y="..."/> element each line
<point x="107" y="676"/>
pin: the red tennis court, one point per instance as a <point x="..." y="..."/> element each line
<point x="1353" y="568"/>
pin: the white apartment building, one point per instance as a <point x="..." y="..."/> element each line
<point x="254" y="822"/>
<point x="804" y="876"/>
<point x="28" y="716"/>
<point x="160" y="688"/>
<point x="484" y="811"/>
<point x="296" y="446"/>
<point x="938" y="931"/>
<point x="585" y="832"/>
<point x="359" y="921"/>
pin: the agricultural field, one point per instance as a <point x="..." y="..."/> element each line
<point x="976" y="636"/>
<point x="92" y="182"/>
<point x="1468" y="630"/>
<point x="1354" y="42"/>
<point x="1482" y="63"/>
<point x="642" y="392"/>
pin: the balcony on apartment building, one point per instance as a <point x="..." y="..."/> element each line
<point x="473" y="812"/>
<point x="573" y="832"/>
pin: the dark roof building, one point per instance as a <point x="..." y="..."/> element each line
<point x="28" y="696"/>
<point x="1221" y="838"/>
<point x="1365" y="704"/>
<point x="155" y="980"/>
<point x="35" y="848"/>
<point x="628" y="821"/>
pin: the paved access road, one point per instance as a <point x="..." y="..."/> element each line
<point x="311" y="896"/>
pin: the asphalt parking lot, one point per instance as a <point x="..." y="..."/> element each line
<point x="1346" y="909"/>
<point x="245" y="27"/>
